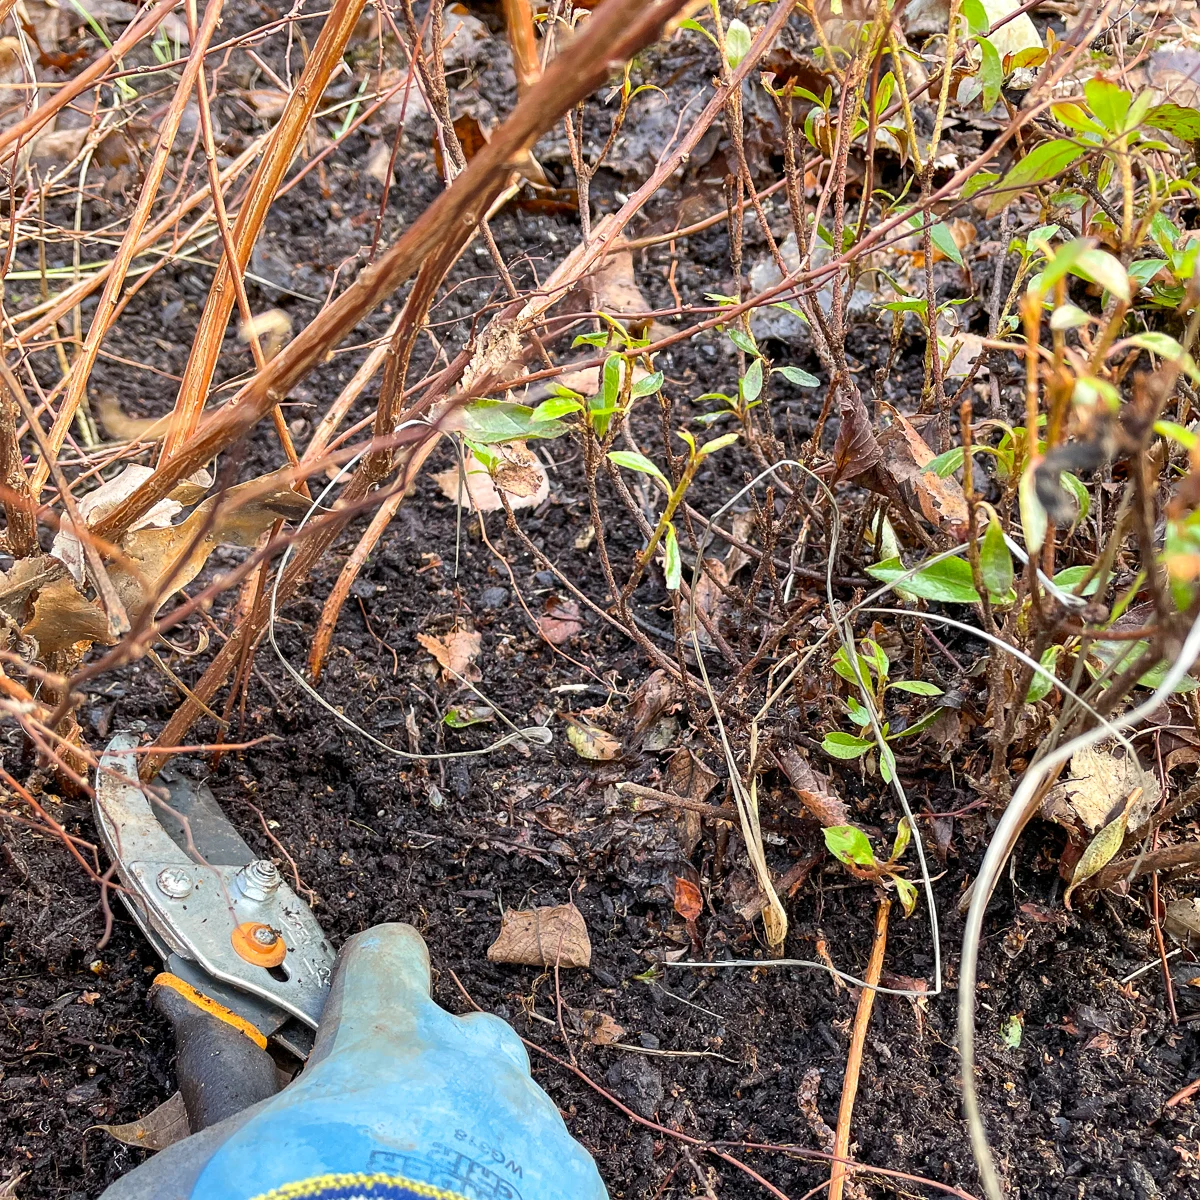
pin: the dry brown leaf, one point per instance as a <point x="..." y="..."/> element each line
<point x="543" y="937"/>
<point x="1096" y="792"/>
<point x="688" y="776"/>
<point x="855" y="450"/>
<point x="1182" y="920"/>
<point x="813" y="789"/>
<point x="521" y="476"/>
<point x="456" y="653"/>
<point x="165" y="1126"/>
<point x="689" y="903"/>
<point x="560" y="621"/>
<point x="592" y="742"/>
<point x="905" y="454"/>
<point x="616" y="292"/>
<point x="599" y="1028"/>
<point x="653" y="697"/>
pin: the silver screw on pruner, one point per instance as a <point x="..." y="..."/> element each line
<point x="174" y="882"/>
<point x="259" y="880"/>
<point x="265" y="936"/>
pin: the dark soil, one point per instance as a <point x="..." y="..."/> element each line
<point x="1077" y="1108"/>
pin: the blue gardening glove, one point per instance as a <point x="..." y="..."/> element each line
<point x="398" y="1100"/>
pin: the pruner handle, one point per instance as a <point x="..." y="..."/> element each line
<point x="221" y="1062"/>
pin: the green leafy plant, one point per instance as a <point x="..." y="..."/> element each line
<point x="873" y="674"/>
<point x="850" y="846"/>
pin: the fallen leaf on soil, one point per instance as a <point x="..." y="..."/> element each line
<point x="543" y="937"/>
<point x="651" y="700"/>
<point x="599" y="1028"/>
<point x="1097" y="790"/>
<point x="689" y="903"/>
<point x="688" y="776"/>
<point x="456" y="653"/>
<point x="165" y="1126"/>
<point x="592" y="742"/>
<point x="1182" y="920"/>
<point x="905" y="454"/>
<point x="522" y="478"/>
<point x="814" y="790"/>
<point x="560" y="621"/>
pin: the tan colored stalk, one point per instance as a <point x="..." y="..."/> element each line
<point x="862" y="1019"/>
<point x="284" y="144"/>
<point x="523" y="40"/>
<point x="354" y="564"/>
<point x="86" y="359"/>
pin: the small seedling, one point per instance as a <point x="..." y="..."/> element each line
<point x="849" y="845"/>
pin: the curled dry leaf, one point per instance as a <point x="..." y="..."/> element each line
<point x="689" y="903"/>
<point x="599" y="1028"/>
<point x="653" y="697"/>
<point x="814" y="790"/>
<point x="456" y="653"/>
<point x="163" y="1127"/>
<point x="153" y="561"/>
<point x="856" y="449"/>
<point x="1182" y="920"/>
<point x="521" y="476"/>
<point x="560" y="621"/>
<point x="1097" y="790"/>
<point x="591" y="742"/>
<point x="543" y="937"/>
<point x="905" y="454"/>
<point x="123" y="428"/>
<point x="688" y="776"/>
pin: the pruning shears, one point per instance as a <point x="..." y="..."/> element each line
<point x="246" y="966"/>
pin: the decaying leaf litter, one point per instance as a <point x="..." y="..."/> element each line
<point x="677" y="529"/>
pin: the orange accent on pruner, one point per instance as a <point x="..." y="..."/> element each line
<point x="254" y="951"/>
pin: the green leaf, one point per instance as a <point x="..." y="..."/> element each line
<point x="1175" y="432"/>
<point x="737" y="42"/>
<point x="1083" y="498"/>
<point x="744" y="343"/>
<point x="848" y="843"/>
<point x="1043" y="162"/>
<point x="1074" y="116"/>
<point x="463" y="715"/>
<point x="633" y="461"/>
<point x="797" y="377"/>
<point x="918" y="687"/>
<point x="907" y="895"/>
<point x="948" y="581"/>
<point x="976" y="15"/>
<point x="978" y="183"/>
<point x="995" y="562"/>
<point x="753" y="381"/>
<point x="1175" y="119"/>
<point x="1040" y="685"/>
<point x="903" y="837"/>
<point x="719" y="443"/>
<point x="1108" y="102"/>
<point x="672" y="563"/>
<point x="887" y="762"/>
<point x="943" y="239"/>
<point x="1034" y="519"/>
<point x="844" y="667"/>
<point x="1098" y="266"/>
<point x="1071" y="577"/>
<point x="556" y="406"/>
<point x="877" y="657"/>
<point x="918" y="726"/>
<point x="1145" y="269"/>
<point x="591" y="339"/>
<point x="1011" y="1032"/>
<point x="647" y="386"/>
<point x="945" y="464"/>
<point x="611" y="390"/>
<point x="991" y="74"/>
<point x="846" y="745"/>
<point x="489" y="422"/>
<point x="1068" y="316"/>
<point x="696" y="27"/>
